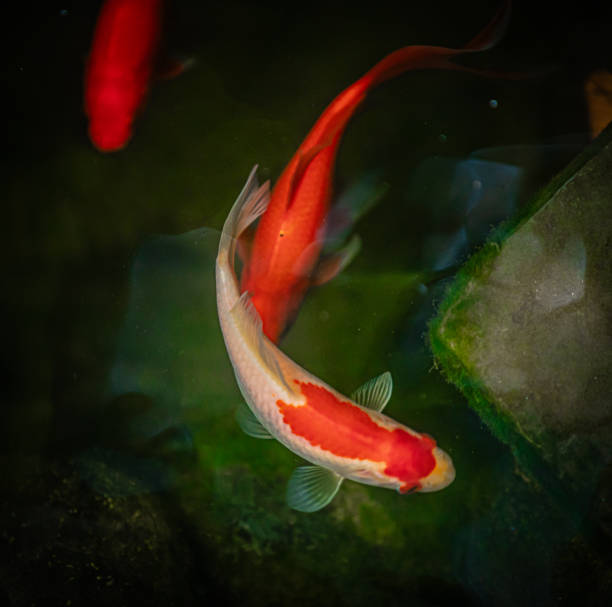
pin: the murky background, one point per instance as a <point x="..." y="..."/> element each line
<point x="125" y="474"/>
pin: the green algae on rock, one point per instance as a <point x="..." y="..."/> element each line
<point x="524" y="331"/>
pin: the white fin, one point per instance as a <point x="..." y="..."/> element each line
<point x="375" y="393"/>
<point x="249" y="323"/>
<point x="249" y="424"/>
<point x="333" y="264"/>
<point x="311" y="488"/>
<point x="251" y="203"/>
<point x="253" y="208"/>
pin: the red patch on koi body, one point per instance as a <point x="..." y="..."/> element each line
<point x="409" y="457"/>
<point x="347" y="431"/>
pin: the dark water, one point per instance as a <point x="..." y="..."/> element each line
<point x="126" y="476"/>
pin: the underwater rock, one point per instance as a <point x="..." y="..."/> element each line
<point x="468" y="196"/>
<point x="524" y="331"/>
<point x="83" y="548"/>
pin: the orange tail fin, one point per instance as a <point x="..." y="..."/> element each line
<point x="437" y="57"/>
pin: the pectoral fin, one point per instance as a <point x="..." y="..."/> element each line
<point x="351" y="206"/>
<point x="375" y="393"/>
<point x="172" y="66"/>
<point x="311" y="488"/>
<point x="333" y="264"/>
<point x="249" y="424"/>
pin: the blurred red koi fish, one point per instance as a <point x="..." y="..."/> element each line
<point x="281" y="264"/>
<point x="119" y="68"/>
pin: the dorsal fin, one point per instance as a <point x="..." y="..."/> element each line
<point x="304" y="161"/>
<point x="336" y="123"/>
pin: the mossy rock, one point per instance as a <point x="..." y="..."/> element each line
<point x="524" y="331"/>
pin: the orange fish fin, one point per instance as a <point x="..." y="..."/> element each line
<point x="333" y="264"/>
<point x="171" y="67"/>
<point x="306" y="260"/>
<point x="352" y="204"/>
<point x="336" y="124"/>
<point x="438" y="57"/>
<point x="493" y="32"/>
<point x="304" y="161"/>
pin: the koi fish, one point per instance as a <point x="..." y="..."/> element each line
<point x="280" y="266"/>
<point x="120" y="65"/>
<point x="341" y="437"/>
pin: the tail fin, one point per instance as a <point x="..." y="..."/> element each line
<point x="490" y="35"/>
<point x="437" y="57"/>
<point x="251" y="203"/>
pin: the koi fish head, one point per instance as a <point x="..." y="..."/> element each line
<point x="418" y="464"/>
<point x="441" y="476"/>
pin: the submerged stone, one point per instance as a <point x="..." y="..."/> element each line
<point x="525" y="330"/>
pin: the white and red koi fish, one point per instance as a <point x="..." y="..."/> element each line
<point x="342" y="437"/>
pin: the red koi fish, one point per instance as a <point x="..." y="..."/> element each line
<point x="342" y="437"/>
<point x="119" y="69"/>
<point x="281" y="264"/>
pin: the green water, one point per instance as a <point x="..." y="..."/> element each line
<point x="126" y="476"/>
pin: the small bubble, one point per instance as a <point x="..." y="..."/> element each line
<point x="442" y="138"/>
<point x="324" y="315"/>
<point x="476" y="184"/>
<point x="63" y="12"/>
<point x="493" y="104"/>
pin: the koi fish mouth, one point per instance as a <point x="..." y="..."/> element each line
<point x="441" y="476"/>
